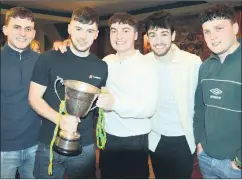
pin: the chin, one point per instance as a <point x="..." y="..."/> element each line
<point x="22" y="47"/>
<point x="82" y="49"/>
<point x="217" y="51"/>
<point x="160" y="53"/>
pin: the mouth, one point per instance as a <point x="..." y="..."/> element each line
<point x="215" y="43"/>
<point x="160" y="46"/>
<point x="21" y="39"/>
<point x="120" y="42"/>
<point x="81" y="43"/>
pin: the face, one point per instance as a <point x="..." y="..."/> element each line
<point x="122" y="37"/>
<point x="19" y="32"/>
<point x="160" y="40"/>
<point x="82" y="35"/>
<point x="220" y="35"/>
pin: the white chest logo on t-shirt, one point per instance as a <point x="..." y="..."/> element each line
<point x="94" y="77"/>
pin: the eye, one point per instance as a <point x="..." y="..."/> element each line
<point x="151" y="35"/>
<point x="28" y="29"/>
<point x="164" y="34"/>
<point x="113" y="31"/>
<point x="219" y="28"/>
<point x="16" y="27"/>
<point x="205" y="32"/>
<point x="78" y="29"/>
<point x="126" y="31"/>
<point x="90" y="31"/>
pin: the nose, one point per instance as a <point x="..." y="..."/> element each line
<point x="119" y="35"/>
<point x="158" y="39"/>
<point x="83" y="35"/>
<point x="22" y="32"/>
<point x="213" y="35"/>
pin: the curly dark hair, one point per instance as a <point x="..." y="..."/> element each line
<point x="20" y="12"/>
<point x="85" y="15"/>
<point x="123" y="18"/>
<point x="160" y="19"/>
<point x="219" y="11"/>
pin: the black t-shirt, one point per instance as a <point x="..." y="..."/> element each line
<point x="90" y="69"/>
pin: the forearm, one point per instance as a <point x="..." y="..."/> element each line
<point x="199" y="125"/>
<point x="199" y="116"/>
<point x="135" y="109"/>
<point x="43" y="109"/>
<point x="238" y="156"/>
<point x="143" y="106"/>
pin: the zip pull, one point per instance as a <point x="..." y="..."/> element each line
<point x="20" y="56"/>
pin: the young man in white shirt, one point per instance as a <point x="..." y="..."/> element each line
<point x="171" y="140"/>
<point x="131" y="101"/>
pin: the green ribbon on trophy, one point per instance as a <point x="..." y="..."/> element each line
<point x="100" y="129"/>
<point x="62" y="109"/>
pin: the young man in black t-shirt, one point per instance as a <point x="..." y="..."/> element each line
<point x="76" y="64"/>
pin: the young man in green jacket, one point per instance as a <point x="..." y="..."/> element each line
<point x="217" y="119"/>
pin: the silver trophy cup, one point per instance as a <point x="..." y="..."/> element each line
<point x="79" y="97"/>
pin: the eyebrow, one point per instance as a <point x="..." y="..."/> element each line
<point x="82" y="28"/>
<point x="91" y="30"/>
<point x="220" y="25"/>
<point x="165" y="31"/>
<point x="122" y="28"/>
<point x="151" y="32"/>
<point x="22" y="26"/>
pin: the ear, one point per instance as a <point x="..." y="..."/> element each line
<point x="173" y="36"/>
<point x="69" y="29"/>
<point x="147" y="37"/>
<point x="136" y="35"/>
<point x="34" y="33"/>
<point x="96" y="34"/>
<point x="5" y="32"/>
<point x="236" y="28"/>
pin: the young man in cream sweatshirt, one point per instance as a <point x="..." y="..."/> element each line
<point x="133" y="89"/>
<point x="171" y="140"/>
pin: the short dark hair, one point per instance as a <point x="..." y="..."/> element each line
<point x="160" y="19"/>
<point x="123" y="18"/>
<point x="20" y="12"/>
<point x="219" y="11"/>
<point x="85" y="15"/>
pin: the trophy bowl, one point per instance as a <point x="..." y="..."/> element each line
<point x="79" y="97"/>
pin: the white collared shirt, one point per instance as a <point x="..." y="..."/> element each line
<point x="183" y="69"/>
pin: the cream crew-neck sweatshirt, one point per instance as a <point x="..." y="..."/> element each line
<point x="133" y="81"/>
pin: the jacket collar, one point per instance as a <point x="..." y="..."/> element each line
<point x="8" y="49"/>
<point x="215" y="56"/>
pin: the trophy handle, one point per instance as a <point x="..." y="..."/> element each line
<point x="90" y="109"/>
<point x="62" y="82"/>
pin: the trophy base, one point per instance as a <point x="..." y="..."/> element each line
<point x="65" y="152"/>
<point x="67" y="147"/>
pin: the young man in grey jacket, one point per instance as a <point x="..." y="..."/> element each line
<point x="20" y="125"/>
<point x="217" y="119"/>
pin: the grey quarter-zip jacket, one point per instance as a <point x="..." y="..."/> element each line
<point x="20" y="125"/>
